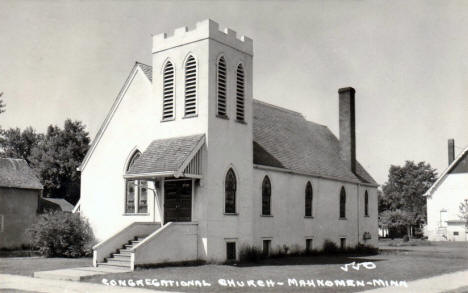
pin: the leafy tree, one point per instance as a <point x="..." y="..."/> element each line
<point x="403" y="198"/>
<point x="2" y="104"/>
<point x="19" y="144"/>
<point x="56" y="158"/>
<point x="463" y="208"/>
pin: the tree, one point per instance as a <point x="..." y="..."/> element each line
<point x="404" y="201"/>
<point x="57" y="157"/>
<point x="18" y="144"/>
<point x="2" y="104"/>
<point x="463" y="208"/>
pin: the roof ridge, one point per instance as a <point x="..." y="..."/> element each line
<point x="279" y="108"/>
<point x="141" y="63"/>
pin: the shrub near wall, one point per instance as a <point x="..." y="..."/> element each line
<point x="61" y="234"/>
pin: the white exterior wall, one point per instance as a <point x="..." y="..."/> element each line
<point x="102" y="183"/>
<point x="288" y="224"/>
<point x="452" y="191"/>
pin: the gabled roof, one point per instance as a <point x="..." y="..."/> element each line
<point x="444" y="174"/>
<point x="47" y="203"/>
<point x="285" y="138"/>
<point x="147" y="70"/>
<point x="167" y="155"/>
<point x="16" y="173"/>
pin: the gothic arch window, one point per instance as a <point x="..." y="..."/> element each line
<point x="343" y="202"/>
<point x="168" y="91"/>
<point x="366" y="204"/>
<point x="308" y="199"/>
<point x="240" y="94"/>
<point x="190" y="86"/>
<point x="230" y="187"/>
<point x="266" y="196"/>
<point x="132" y="160"/>
<point x="136" y="191"/>
<point x="221" y="87"/>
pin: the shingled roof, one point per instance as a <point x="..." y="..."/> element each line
<point x="148" y="70"/>
<point x="285" y="139"/>
<point x="16" y="173"/>
<point x="165" y="155"/>
<point x="282" y="139"/>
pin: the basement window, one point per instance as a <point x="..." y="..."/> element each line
<point x="343" y="243"/>
<point x="231" y="251"/>
<point x="266" y="247"/>
<point x="308" y="245"/>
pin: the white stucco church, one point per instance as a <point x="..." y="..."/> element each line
<point x="188" y="166"/>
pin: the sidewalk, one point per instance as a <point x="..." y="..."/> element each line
<point x="443" y="283"/>
<point x="57" y="286"/>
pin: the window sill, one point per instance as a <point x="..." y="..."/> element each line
<point x="308" y="217"/>
<point x="267" y="216"/>
<point x="190" y="116"/>
<point x="241" y="122"/>
<point x="136" y="214"/>
<point x="231" y="214"/>
<point x="343" y="219"/>
<point x="222" y="116"/>
<point x="168" y="119"/>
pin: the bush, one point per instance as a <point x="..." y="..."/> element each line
<point x="405" y="238"/>
<point x="329" y="247"/>
<point x="250" y="254"/>
<point x="61" y="234"/>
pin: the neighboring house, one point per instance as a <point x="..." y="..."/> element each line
<point x="444" y="199"/>
<point x="189" y="166"/>
<point x="47" y="204"/>
<point x="20" y="191"/>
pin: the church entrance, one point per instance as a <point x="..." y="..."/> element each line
<point x="178" y="200"/>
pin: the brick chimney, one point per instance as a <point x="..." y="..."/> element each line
<point x="451" y="150"/>
<point x="347" y="127"/>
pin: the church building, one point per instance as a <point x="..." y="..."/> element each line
<point x="188" y="166"/>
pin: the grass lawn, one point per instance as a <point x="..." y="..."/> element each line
<point x="26" y="266"/>
<point x="397" y="264"/>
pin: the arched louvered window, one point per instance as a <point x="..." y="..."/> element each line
<point x="230" y="187"/>
<point x="136" y="191"/>
<point x="190" y="87"/>
<point x="240" y="93"/>
<point x="168" y="91"/>
<point x="308" y="199"/>
<point x="342" y="203"/>
<point x="366" y="204"/>
<point x="221" y="87"/>
<point x="266" y="196"/>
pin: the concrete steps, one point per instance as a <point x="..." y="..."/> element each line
<point x="121" y="258"/>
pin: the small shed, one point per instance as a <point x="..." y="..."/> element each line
<point x="20" y="190"/>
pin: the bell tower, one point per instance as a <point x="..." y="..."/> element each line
<point x="217" y="82"/>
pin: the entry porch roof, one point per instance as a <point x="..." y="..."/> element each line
<point x="179" y="156"/>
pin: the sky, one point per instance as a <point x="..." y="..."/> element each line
<point x="407" y="60"/>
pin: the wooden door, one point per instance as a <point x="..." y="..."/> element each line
<point x="177" y="201"/>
